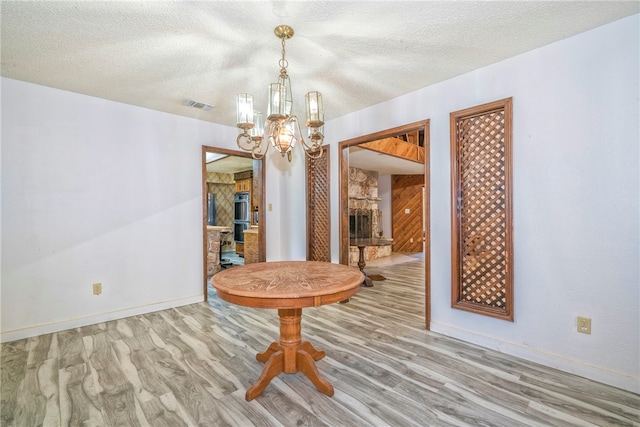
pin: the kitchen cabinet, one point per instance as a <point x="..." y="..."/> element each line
<point x="244" y="185"/>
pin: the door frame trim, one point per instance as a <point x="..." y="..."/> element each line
<point x="259" y="174"/>
<point x="343" y="177"/>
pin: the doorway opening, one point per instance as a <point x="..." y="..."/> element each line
<point x="233" y="210"/>
<point x="384" y="193"/>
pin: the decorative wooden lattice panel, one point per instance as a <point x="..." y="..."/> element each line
<point x="482" y="270"/>
<point x="318" y="213"/>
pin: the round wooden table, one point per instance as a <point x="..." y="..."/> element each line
<point x="288" y="286"/>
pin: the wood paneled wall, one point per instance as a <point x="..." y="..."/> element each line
<point x="407" y="212"/>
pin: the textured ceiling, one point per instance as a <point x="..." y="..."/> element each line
<point x="230" y="164"/>
<point x="157" y="54"/>
<point x="382" y="163"/>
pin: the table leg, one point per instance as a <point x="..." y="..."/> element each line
<point x="289" y="355"/>
<point x="315" y="354"/>
<point x="265" y="355"/>
<point x="307" y="366"/>
<point x="271" y="369"/>
<point x="361" y="265"/>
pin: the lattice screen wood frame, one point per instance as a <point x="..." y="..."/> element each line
<point x="481" y="206"/>
<point x="318" y="208"/>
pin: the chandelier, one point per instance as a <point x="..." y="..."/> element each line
<point x="282" y="127"/>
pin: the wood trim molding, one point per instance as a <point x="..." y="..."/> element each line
<point x="258" y="198"/>
<point x="482" y="231"/>
<point x="343" y="178"/>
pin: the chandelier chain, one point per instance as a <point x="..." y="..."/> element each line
<point x="283" y="62"/>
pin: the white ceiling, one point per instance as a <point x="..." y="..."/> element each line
<point x="230" y="164"/>
<point x="358" y="158"/>
<point x="157" y="54"/>
<point x="384" y="164"/>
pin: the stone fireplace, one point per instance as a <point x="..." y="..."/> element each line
<point x="365" y="219"/>
<point x="360" y="224"/>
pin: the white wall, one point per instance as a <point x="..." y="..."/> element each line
<point x="286" y="232"/>
<point x="576" y="192"/>
<point x="384" y="192"/>
<point x="97" y="191"/>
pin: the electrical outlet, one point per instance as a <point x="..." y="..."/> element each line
<point x="97" y="288"/>
<point x="584" y="325"/>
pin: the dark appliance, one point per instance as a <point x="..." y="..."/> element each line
<point x="241" y="216"/>
<point x="211" y="209"/>
<point x="241" y="207"/>
<point x="238" y="231"/>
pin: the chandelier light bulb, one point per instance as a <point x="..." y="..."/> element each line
<point x="285" y="139"/>
<point x="257" y="130"/>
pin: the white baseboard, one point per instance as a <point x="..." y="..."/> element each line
<point x="32" y="331"/>
<point x="576" y="367"/>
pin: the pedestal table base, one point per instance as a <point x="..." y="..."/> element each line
<point x="289" y="355"/>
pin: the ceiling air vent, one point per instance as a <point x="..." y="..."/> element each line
<point x="198" y="105"/>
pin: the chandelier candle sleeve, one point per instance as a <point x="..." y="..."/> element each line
<point x="245" y="111"/>
<point x="274" y="111"/>
<point x="279" y="100"/>
<point x="315" y="111"/>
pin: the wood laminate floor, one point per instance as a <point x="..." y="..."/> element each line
<point x="191" y="366"/>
